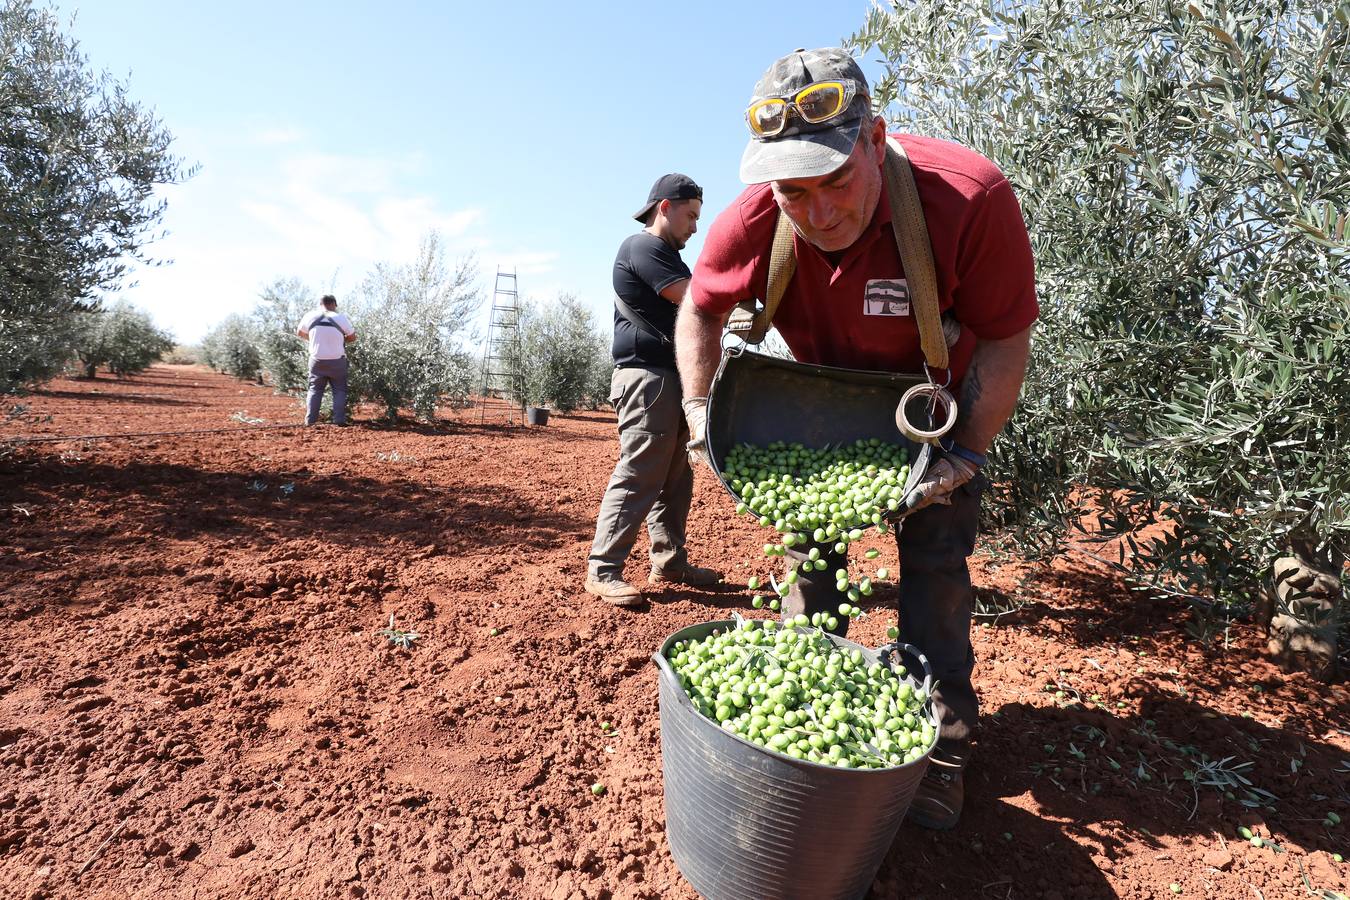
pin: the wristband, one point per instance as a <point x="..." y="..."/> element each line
<point x="975" y="459"/>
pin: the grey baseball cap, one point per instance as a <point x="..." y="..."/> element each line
<point x="803" y="150"/>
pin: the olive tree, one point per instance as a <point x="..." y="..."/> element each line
<point x="232" y="347"/>
<point x="79" y="163"/>
<point x="1184" y="169"/>
<point x="555" y="360"/>
<point x="600" y="373"/>
<point x="282" y="355"/>
<point x="411" y="323"/>
<point x="124" y="339"/>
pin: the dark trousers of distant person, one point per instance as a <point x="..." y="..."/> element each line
<point x="653" y="481"/>
<point x="322" y="374"/>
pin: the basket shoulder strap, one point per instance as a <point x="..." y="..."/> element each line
<point x="782" y="266"/>
<point x="916" y="253"/>
<point x="750" y="323"/>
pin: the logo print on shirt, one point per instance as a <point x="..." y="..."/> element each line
<point x="886" y="297"/>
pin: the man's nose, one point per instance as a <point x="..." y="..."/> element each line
<point x="819" y="212"/>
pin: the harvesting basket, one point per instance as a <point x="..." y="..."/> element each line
<point x="758" y="399"/>
<point x="746" y="823"/>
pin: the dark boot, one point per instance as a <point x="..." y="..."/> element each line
<point x="942" y="792"/>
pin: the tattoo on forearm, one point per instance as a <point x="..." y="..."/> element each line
<point x="971" y="391"/>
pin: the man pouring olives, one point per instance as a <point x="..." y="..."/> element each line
<point x="820" y="162"/>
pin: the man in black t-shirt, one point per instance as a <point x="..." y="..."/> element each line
<point x="653" y="480"/>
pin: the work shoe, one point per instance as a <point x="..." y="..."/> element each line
<point x="693" y="576"/>
<point x="937" y="803"/>
<point x="614" y="591"/>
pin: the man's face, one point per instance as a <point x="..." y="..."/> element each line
<point x="682" y="221"/>
<point x="832" y="210"/>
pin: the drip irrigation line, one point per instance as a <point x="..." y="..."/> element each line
<point x="140" y="434"/>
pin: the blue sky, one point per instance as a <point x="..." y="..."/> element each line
<point x="332" y="136"/>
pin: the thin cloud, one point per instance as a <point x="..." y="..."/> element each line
<point x="525" y="262"/>
<point x="419" y="214"/>
<point x="287" y="211"/>
<point x="335" y="209"/>
<point x="271" y="137"/>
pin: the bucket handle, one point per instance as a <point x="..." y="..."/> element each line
<point x="886" y="651"/>
<point x="669" y="674"/>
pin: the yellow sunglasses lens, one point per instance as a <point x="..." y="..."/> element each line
<point x="821" y="101"/>
<point x="768" y="117"/>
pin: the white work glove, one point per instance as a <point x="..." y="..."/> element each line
<point x="945" y="475"/>
<point x="696" y="414"/>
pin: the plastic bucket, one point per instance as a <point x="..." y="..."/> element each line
<point x="746" y="823"/>
<point x="536" y="415"/>
<point x="758" y="399"/>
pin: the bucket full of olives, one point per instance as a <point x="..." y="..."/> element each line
<point x="790" y="756"/>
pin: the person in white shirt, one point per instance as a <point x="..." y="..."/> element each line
<point x="328" y="332"/>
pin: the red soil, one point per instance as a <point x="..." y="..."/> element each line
<point x="194" y="701"/>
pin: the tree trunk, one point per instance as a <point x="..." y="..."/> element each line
<point x="1301" y="606"/>
<point x="89" y="369"/>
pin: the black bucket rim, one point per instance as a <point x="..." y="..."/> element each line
<point x="668" y="672"/>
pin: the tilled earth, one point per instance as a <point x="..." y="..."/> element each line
<point x="195" y="702"/>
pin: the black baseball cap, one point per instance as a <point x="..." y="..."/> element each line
<point x="670" y="187"/>
<point x="803" y="150"/>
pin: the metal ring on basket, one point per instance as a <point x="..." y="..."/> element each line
<point x="936" y="396"/>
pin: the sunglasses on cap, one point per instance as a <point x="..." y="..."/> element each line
<point x="813" y="104"/>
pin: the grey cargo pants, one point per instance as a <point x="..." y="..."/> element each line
<point x="936" y="600"/>
<point x="322" y="373"/>
<point x="652" y="481"/>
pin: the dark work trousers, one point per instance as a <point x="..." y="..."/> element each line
<point x="652" y="481"/>
<point x="322" y="373"/>
<point x="936" y="600"/>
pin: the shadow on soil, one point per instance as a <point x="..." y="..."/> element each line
<point x="469" y="425"/>
<point x="1102" y="782"/>
<point x="1116" y="615"/>
<point x="141" y="399"/>
<point x="182" y="502"/>
<point x="159" y="376"/>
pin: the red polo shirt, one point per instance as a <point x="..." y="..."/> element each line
<point x="858" y="314"/>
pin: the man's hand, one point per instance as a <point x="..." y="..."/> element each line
<point x="946" y="474"/>
<point x="696" y="414"/>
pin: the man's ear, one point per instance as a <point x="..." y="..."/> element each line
<point x="878" y="136"/>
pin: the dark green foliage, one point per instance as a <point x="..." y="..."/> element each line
<point x="1184" y="170"/>
<point x="79" y="162"/>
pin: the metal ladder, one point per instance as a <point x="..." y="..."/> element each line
<point x="503" y="338"/>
